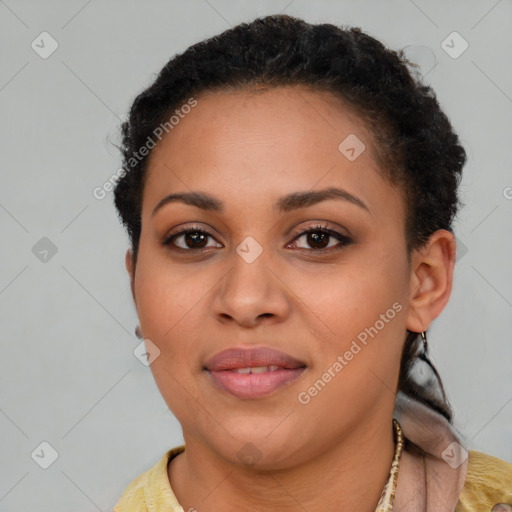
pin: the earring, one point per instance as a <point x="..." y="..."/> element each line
<point x="137" y="332"/>
<point x="420" y="368"/>
<point x="424" y="338"/>
<point x="424" y="374"/>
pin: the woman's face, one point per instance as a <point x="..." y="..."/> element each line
<point x="339" y="306"/>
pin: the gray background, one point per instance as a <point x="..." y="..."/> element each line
<point x="68" y="373"/>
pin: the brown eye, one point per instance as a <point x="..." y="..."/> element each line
<point x="191" y="239"/>
<point x="319" y="238"/>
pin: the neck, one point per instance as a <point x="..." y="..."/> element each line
<point x="347" y="476"/>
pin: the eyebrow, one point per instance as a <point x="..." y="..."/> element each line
<point x="293" y="201"/>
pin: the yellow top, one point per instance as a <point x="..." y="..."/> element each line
<point x="488" y="482"/>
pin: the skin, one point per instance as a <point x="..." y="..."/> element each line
<point x="248" y="149"/>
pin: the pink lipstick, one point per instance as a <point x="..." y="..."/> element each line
<point x="253" y="372"/>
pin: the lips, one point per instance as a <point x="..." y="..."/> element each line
<point x="236" y="358"/>
<point x="253" y="373"/>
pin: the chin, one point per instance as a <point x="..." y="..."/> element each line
<point x="264" y="449"/>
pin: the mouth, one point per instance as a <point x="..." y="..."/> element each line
<point x="253" y="373"/>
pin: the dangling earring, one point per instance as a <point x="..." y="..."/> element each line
<point x="425" y="345"/>
<point x="420" y="369"/>
<point x="423" y="372"/>
<point x="137" y="332"/>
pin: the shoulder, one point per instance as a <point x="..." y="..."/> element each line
<point x="150" y="490"/>
<point x="488" y="482"/>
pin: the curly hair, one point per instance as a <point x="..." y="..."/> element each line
<point x="414" y="143"/>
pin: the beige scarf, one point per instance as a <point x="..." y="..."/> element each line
<point x="431" y="483"/>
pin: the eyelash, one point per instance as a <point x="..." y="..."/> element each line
<point x="314" y="229"/>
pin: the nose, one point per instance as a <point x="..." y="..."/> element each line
<point x="251" y="293"/>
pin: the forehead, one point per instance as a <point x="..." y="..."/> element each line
<point x="243" y="144"/>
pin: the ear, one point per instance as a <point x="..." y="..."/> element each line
<point x="432" y="269"/>
<point x="131" y="271"/>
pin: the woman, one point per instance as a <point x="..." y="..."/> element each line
<point x="289" y="193"/>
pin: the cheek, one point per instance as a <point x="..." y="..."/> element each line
<point x="358" y="350"/>
<point x="170" y="312"/>
<point x="339" y="304"/>
<point x="168" y="296"/>
<point x="357" y="313"/>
